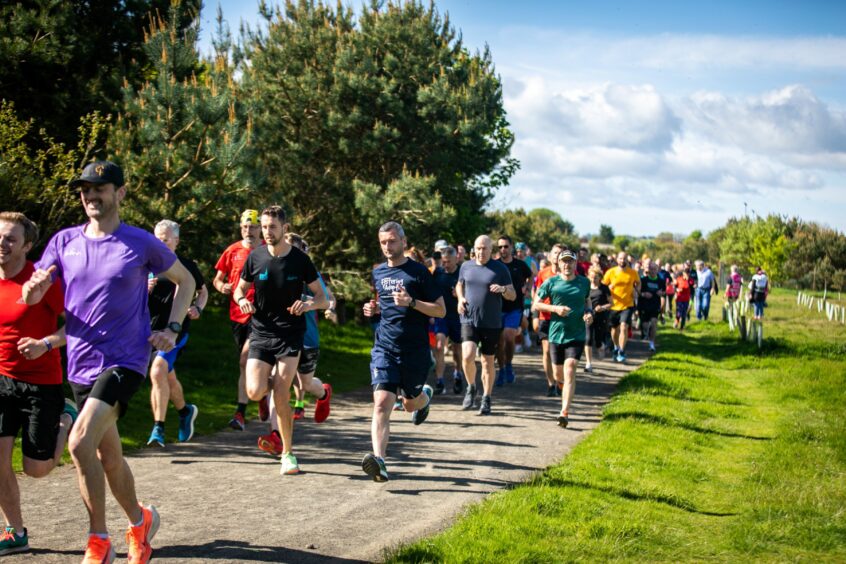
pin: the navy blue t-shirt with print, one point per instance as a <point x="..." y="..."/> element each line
<point x="401" y="327"/>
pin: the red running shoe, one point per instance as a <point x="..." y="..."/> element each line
<point x="270" y="443"/>
<point x="321" y="409"/>
<point x="264" y="410"/>
<point x="299" y="413"/>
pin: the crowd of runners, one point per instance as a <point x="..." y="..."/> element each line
<point x="127" y="300"/>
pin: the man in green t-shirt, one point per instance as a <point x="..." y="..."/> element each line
<point x="569" y="304"/>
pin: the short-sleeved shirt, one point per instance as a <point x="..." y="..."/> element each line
<point x="621" y="281"/>
<point x="105" y="281"/>
<point x="599" y="297"/>
<point x="570" y="293"/>
<point x="682" y="289"/>
<point x="656" y="288"/>
<point x="230" y="263"/>
<point x="160" y="301"/>
<point x="17" y="320"/>
<point x="278" y="282"/>
<point x="311" y="340"/>
<point x="519" y="272"/>
<point x="401" y="328"/>
<point x="545" y="274"/>
<point x="446" y="283"/>
<point x="483" y="308"/>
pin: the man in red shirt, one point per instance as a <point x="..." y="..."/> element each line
<point x="31" y="397"/>
<point x="544" y="317"/>
<point x="228" y="275"/>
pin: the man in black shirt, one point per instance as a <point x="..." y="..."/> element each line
<point x="512" y="310"/>
<point x="650" y="302"/>
<point x="278" y="271"/>
<point x="448" y="327"/>
<point x="165" y="386"/>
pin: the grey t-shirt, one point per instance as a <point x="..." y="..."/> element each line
<point x="484" y="308"/>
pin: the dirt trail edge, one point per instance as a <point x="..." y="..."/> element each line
<point x="222" y="500"/>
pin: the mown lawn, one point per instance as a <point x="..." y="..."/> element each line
<point x="208" y="370"/>
<point x="710" y="451"/>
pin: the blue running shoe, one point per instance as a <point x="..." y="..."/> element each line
<point x="156" y="437"/>
<point x="509" y="374"/>
<point x="186" y="423"/>
<point x="418" y="416"/>
<point x="500" y="378"/>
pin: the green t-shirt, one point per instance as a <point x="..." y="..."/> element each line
<point x="564" y="330"/>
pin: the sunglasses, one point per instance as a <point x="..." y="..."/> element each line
<point x="504" y="246"/>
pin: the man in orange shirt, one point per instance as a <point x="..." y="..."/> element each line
<point x="623" y="281"/>
<point x="543" y="320"/>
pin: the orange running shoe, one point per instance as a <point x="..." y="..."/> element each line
<point x="138" y="538"/>
<point x="270" y="443"/>
<point x="321" y="408"/>
<point x="99" y="551"/>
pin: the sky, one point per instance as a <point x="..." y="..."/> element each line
<point x="662" y="116"/>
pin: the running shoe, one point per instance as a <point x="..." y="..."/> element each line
<point x="71" y="409"/>
<point x="588" y="368"/>
<point x="270" y="443"/>
<point x="299" y="413"/>
<point x="398" y="406"/>
<point x="439" y="386"/>
<point x="485" y="407"/>
<point x="138" y="538"/>
<point x="264" y="409"/>
<point x="550" y="391"/>
<point x="418" y="416"/>
<point x="651" y="347"/>
<point x="99" y="551"/>
<point x="186" y="423"/>
<point x="500" y="378"/>
<point x="374" y="467"/>
<point x="559" y="389"/>
<point x="237" y="422"/>
<point x="621" y="358"/>
<point x="509" y="374"/>
<point x="156" y="437"/>
<point x="563" y="421"/>
<point x="469" y="397"/>
<point x="457" y="379"/>
<point x="322" y="408"/>
<point x="11" y="543"/>
<point x="289" y="465"/>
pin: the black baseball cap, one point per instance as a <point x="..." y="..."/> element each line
<point x="100" y="172"/>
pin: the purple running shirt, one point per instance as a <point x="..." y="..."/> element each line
<point x="105" y="282"/>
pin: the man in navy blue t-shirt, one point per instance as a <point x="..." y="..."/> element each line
<point x="400" y="359"/>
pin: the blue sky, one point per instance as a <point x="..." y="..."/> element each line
<point x="664" y="116"/>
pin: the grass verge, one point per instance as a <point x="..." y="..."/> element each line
<point x="712" y="450"/>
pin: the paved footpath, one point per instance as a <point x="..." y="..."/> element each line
<point x="222" y="500"/>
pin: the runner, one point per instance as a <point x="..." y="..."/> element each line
<point x="109" y="337"/>
<point x="706" y="284"/>
<point x="570" y="306"/>
<point x="597" y="333"/>
<point x="650" y="303"/>
<point x="306" y="367"/>
<point x="623" y="282"/>
<point x="277" y="272"/>
<point x="229" y="267"/>
<point x="165" y="386"/>
<point x="512" y="309"/>
<point x="545" y="274"/>
<point x="407" y="297"/>
<point x="759" y="288"/>
<point x="31" y="397"/>
<point x="682" y="289"/>
<point x="448" y="328"/>
<point x="483" y="285"/>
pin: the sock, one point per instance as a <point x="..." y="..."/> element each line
<point x="299" y="403"/>
<point x="20" y="534"/>
<point x="242" y="408"/>
<point x="185" y="411"/>
<point x="139" y="523"/>
<point x="160" y="425"/>
<point x="325" y="393"/>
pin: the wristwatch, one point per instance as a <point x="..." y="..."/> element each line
<point x="413" y="303"/>
<point x="175" y="327"/>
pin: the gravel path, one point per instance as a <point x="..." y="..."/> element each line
<point x="222" y="500"/>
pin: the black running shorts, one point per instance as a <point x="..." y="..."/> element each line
<point x="486" y="337"/>
<point x="114" y="385"/>
<point x="271" y="349"/>
<point x="240" y="332"/>
<point x="33" y="409"/>
<point x="308" y="361"/>
<point x="559" y="353"/>
<point x="621" y="316"/>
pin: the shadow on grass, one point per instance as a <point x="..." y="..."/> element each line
<point x="682" y="504"/>
<point x="663" y="421"/>
<point x="642" y="382"/>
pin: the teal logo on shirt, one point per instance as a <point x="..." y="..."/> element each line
<point x="292" y="278"/>
<point x="263" y="275"/>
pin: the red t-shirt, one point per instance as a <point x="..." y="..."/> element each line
<point x="682" y="290"/>
<point x="545" y="274"/>
<point x="18" y="320"/>
<point x="231" y="263"/>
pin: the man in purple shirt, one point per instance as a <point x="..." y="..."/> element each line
<point x="104" y="266"/>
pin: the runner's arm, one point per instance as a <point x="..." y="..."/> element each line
<point x="431" y="309"/>
<point x="240" y="297"/>
<point x="319" y="300"/>
<point x="220" y="284"/>
<point x="33" y="348"/>
<point x="185" y="288"/>
<point x="34" y="289"/>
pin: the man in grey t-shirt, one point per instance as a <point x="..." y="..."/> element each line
<point x="482" y="284"/>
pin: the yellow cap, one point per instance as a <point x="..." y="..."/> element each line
<point x="250" y="216"/>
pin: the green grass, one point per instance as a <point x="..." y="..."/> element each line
<point x="208" y="370"/>
<point x="711" y="451"/>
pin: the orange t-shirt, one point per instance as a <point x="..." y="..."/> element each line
<point x="621" y="281"/>
<point x="545" y="274"/>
